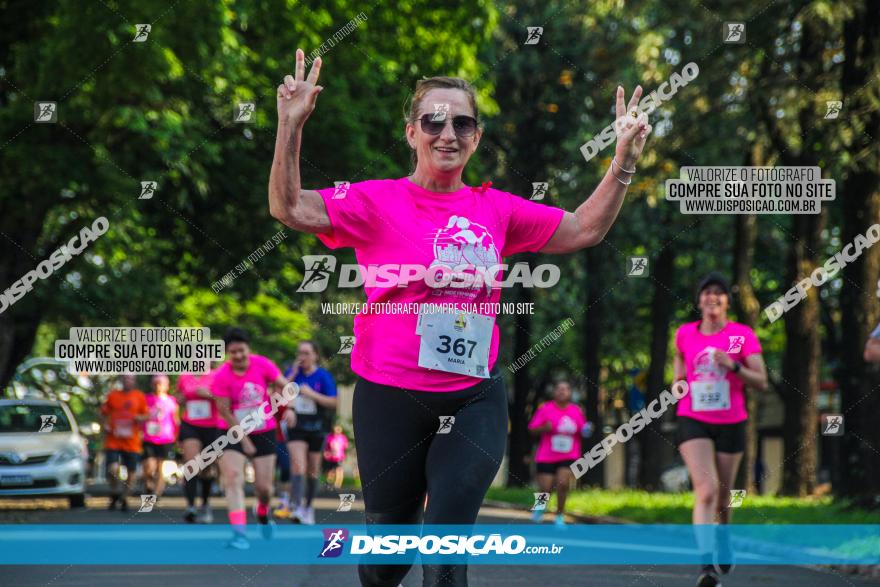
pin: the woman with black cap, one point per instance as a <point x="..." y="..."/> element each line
<point x="718" y="358"/>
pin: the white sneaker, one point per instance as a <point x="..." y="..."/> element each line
<point x="299" y="516"/>
<point x="309" y="518"/>
<point x="206" y="516"/>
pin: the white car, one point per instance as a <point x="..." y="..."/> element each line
<point x="41" y="450"/>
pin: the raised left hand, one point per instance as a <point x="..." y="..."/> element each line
<point x="632" y="131"/>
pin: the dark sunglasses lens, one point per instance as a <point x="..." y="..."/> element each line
<point x="432" y="127"/>
<point x="464" y="125"/>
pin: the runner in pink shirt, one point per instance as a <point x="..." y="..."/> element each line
<point x="718" y="358"/>
<point x="200" y="427"/>
<point x="334" y="454"/>
<point x="242" y="388"/>
<point x="430" y="408"/>
<point x="560" y="425"/>
<point x="159" y="434"/>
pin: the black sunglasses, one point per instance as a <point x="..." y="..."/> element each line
<point x="463" y="126"/>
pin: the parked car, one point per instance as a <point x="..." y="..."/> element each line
<point x="42" y="452"/>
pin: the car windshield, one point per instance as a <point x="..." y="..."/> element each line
<point x="33" y="418"/>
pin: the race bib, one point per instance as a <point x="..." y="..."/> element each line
<point x="123" y="429"/>
<point x="456" y="343"/>
<point x="153" y="428"/>
<point x="198" y="409"/>
<point x="561" y="443"/>
<point x="305" y="405"/>
<point x="710" y="395"/>
<point x="258" y="415"/>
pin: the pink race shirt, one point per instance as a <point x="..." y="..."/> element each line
<point x="396" y="222"/>
<point x="564" y="442"/>
<point x="161" y="427"/>
<point x="248" y="392"/>
<point x="199" y="411"/>
<point x="336" y="445"/>
<point x="715" y="395"/>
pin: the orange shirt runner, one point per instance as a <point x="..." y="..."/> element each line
<point x="120" y="409"/>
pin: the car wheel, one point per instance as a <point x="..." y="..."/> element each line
<point x="77" y="501"/>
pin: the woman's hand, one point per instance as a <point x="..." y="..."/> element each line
<point x="632" y="131"/>
<point x="722" y="359"/>
<point x="248" y="447"/>
<point x="297" y="96"/>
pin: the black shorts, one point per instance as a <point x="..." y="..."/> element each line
<point x="315" y="439"/>
<point x="728" y="438"/>
<point x="129" y="459"/>
<point x="550" y="468"/>
<point x="263" y="441"/>
<point x="204" y="434"/>
<point x="158" y="451"/>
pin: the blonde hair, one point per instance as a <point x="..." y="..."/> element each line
<point x="423" y="86"/>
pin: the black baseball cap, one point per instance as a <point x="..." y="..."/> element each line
<point x="713" y="278"/>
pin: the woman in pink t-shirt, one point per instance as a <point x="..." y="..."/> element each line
<point x="334" y="454"/>
<point x="560" y="425"/>
<point x="160" y="432"/>
<point x="429" y="407"/>
<point x="242" y="387"/>
<point x="718" y="358"/>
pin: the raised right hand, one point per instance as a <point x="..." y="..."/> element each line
<point x="297" y="96"/>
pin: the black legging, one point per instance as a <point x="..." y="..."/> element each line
<point x="401" y="457"/>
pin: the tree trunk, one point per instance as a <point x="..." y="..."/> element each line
<point x="800" y="365"/>
<point x="747" y="309"/>
<point x="593" y="329"/>
<point x="860" y="402"/>
<point x="520" y="446"/>
<point x="654" y="447"/>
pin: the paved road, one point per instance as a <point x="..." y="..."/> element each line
<point x="171" y="508"/>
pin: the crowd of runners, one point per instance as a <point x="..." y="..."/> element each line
<point x="146" y="428"/>
<point x="430" y="408"/>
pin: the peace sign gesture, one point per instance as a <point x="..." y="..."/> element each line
<point x="297" y="96"/>
<point x="632" y="129"/>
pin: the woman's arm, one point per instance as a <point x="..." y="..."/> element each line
<point x="299" y="209"/>
<point x="592" y="220"/>
<point x="679" y="373"/>
<point x="753" y="373"/>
